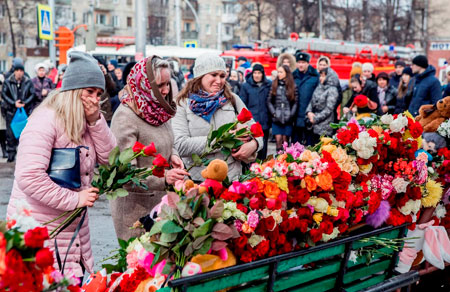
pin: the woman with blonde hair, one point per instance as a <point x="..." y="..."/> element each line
<point x="67" y="118"/>
<point x="205" y="103"/>
<point x="144" y="115"/>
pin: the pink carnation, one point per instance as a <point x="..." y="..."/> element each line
<point x="238" y="225"/>
<point x="132" y="259"/>
<point x="253" y="219"/>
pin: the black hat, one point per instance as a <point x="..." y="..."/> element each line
<point x="400" y="63"/>
<point x="408" y="71"/>
<point x="19" y="67"/>
<point x="420" y="61"/>
<point x="383" y="75"/>
<point x="242" y="58"/>
<point x="300" y="56"/>
<point x="258" y="67"/>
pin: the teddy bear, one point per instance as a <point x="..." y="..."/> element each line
<point x="432" y="116"/>
<point x="215" y="173"/>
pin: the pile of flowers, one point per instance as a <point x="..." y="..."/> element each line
<point x="26" y="264"/>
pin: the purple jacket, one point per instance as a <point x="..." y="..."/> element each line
<point x="47" y="199"/>
<point x="38" y="86"/>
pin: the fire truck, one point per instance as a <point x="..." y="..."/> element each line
<point x="342" y="54"/>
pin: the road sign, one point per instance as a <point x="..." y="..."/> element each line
<point x="45" y="25"/>
<point x="190" y="44"/>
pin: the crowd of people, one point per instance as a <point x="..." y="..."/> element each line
<point x="97" y="105"/>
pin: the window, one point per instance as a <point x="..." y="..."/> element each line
<point x="86" y="17"/>
<point x="115" y="21"/>
<point x="74" y="16"/>
<point x="101" y="19"/>
<point x="218" y="10"/>
<point x="2" y="10"/>
<point x="2" y="65"/>
<point x="227" y="30"/>
<point x="2" y="38"/>
<point x="208" y="29"/>
<point x="129" y="2"/>
<point x="129" y="22"/>
<point x="187" y="26"/>
<point x="21" y="40"/>
<point x="207" y="8"/>
<point x="19" y="13"/>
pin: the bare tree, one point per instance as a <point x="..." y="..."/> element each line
<point x="259" y="13"/>
<point x="11" y="28"/>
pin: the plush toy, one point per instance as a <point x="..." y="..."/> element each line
<point x="432" y="116"/>
<point x="211" y="262"/>
<point x="432" y="142"/>
<point x="215" y="173"/>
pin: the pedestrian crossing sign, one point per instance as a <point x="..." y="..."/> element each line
<point x="45" y="26"/>
<point x="190" y="44"/>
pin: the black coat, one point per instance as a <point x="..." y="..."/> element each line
<point x="282" y="110"/>
<point x="404" y="101"/>
<point x="427" y="90"/>
<point x="390" y="98"/>
<point x="369" y="90"/>
<point x="10" y="94"/>
<point x="254" y="97"/>
<point x="306" y="84"/>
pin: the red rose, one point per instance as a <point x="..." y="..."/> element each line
<point x="302" y="196"/>
<point x="255" y="203"/>
<point x="262" y="248"/>
<point x="242" y="208"/>
<point x="303" y="225"/>
<point x="160" y="161"/>
<point x="343" y="136"/>
<point x="44" y="258"/>
<point x="150" y="150"/>
<point x="138" y="147"/>
<point x="326" y="227"/>
<point x="415" y="128"/>
<point x="361" y="100"/>
<point x="304" y="213"/>
<point x="246" y="257"/>
<point x="342" y="227"/>
<point x="230" y="196"/>
<point x="257" y="130"/>
<point x="414" y="193"/>
<point x="158" y="172"/>
<point x="35" y="237"/>
<point x="315" y="235"/>
<point x="269" y="223"/>
<point x="244" y="116"/>
<point x="240" y="242"/>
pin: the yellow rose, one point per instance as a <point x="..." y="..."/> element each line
<point x="306" y="155"/>
<point x="329" y="148"/>
<point x="332" y="212"/>
<point x="339" y="155"/>
<point x="377" y="129"/>
<point x="326" y="140"/>
<point x="317" y="217"/>
<point x="355" y="169"/>
<point x="366" y="168"/>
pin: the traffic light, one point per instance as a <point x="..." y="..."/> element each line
<point x="65" y="40"/>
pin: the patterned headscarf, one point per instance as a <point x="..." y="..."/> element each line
<point x="140" y="98"/>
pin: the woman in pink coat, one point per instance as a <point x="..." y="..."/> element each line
<point x="68" y="118"/>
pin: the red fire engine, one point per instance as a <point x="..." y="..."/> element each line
<point x="342" y="54"/>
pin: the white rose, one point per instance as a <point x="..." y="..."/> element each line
<point x="387" y="119"/>
<point x="365" y="153"/>
<point x="400" y="185"/>
<point x="399" y="123"/>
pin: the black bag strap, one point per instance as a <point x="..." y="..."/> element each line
<point x="77" y="230"/>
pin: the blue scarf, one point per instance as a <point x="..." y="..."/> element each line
<point x="205" y="105"/>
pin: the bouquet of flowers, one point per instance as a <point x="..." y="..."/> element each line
<point x="227" y="138"/>
<point x="25" y="263"/>
<point x="112" y="177"/>
<point x="444" y="129"/>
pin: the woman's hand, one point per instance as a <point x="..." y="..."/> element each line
<point x="246" y="150"/>
<point x="174" y="175"/>
<point x="385" y="108"/>
<point x="345" y="110"/>
<point x="176" y="162"/>
<point x="87" y="197"/>
<point x="311" y="116"/>
<point x="91" y="107"/>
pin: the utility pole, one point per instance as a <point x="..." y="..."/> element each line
<point x="51" y="44"/>
<point x="141" y="27"/>
<point x="178" y="22"/>
<point x="320" y="20"/>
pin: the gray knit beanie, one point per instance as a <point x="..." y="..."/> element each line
<point x="82" y="72"/>
<point x="208" y="63"/>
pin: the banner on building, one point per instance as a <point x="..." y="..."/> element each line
<point x="441" y="46"/>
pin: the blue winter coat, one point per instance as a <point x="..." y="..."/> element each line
<point x="427" y="90"/>
<point x="305" y="87"/>
<point x="254" y="97"/>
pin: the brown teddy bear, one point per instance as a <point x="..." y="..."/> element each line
<point x="215" y="173"/>
<point x="432" y="116"/>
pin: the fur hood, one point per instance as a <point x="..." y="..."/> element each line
<point x="291" y="61"/>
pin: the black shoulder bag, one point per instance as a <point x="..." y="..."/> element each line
<point x="64" y="167"/>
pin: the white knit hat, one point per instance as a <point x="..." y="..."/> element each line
<point x="208" y="63"/>
<point x="367" y="66"/>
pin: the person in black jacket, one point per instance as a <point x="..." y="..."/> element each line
<point x="282" y="102"/>
<point x="397" y="74"/>
<point x="405" y="91"/>
<point x="387" y="94"/>
<point x="17" y="92"/>
<point x="254" y="94"/>
<point x="365" y="87"/>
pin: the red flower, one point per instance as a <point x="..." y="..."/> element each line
<point x="240" y="242"/>
<point x="262" y="248"/>
<point x="44" y="258"/>
<point x="150" y="150"/>
<point x="415" y="128"/>
<point x="326" y="227"/>
<point x="361" y="100"/>
<point x="244" y="116"/>
<point x="315" y="235"/>
<point x="158" y="172"/>
<point x="303" y="225"/>
<point x="396" y="218"/>
<point x="138" y="147"/>
<point x="342" y="228"/>
<point x="35" y="237"/>
<point x="257" y="202"/>
<point x="230" y="196"/>
<point x="414" y="193"/>
<point x="374" y="202"/>
<point x="160" y="161"/>
<point x="269" y="223"/>
<point x="343" y="136"/>
<point x="246" y="256"/>
<point x="257" y="130"/>
<point x="358" y="216"/>
<point x="242" y="208"/>
<point x="304" y="213"/>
